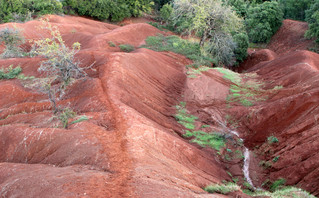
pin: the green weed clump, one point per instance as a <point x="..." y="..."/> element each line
<point x="272" y="140"/>
<point x="180" y="46"/>
<point x="279" y="183"/>
<point x="126" y="48"/>
<point x="10" y="72"/>
<point x="222" y="188"/>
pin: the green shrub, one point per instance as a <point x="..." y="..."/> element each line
<point x="12" y="39"/>
<point x="222" y="188"/>
<point x="312" y="17"/>
<point x="10" y="72"/>
<point x="65" y="115"/>
<point x="126" y="48"/>
<point x="111" y="44"/>
<point x="263" y="20"/>
<point x="242" y="43"/>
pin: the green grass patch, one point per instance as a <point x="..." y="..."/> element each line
<point x="213" y="140"/>
<point x="245" y="89"/>
<point x="222" y="188"/>
<point x="180" y="46"/>
<point x="184" y="118"/>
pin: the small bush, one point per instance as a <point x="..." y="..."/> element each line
<point x="65" y="115"/>
<point x="111" y="44"/>
<point x="12" y="39"/>
<point x="10" y="72"/>
<point x="222" y="188"/>
<point x="242" y="43"/>
<point x="126" y="48"/>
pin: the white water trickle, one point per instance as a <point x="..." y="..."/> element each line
<point x="246" y="161"/>
<point x="246" y="154"/>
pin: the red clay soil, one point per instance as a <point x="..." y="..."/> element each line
<point x="290" y="38"/>
<point x="128" y="148"/>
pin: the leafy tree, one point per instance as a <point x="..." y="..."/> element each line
<point x="60" y="64"/>
<point x="263" y="20"/>
<point x="213" y="22"/>
<point x="312" y="17"/>
<point x="293" y="9"/>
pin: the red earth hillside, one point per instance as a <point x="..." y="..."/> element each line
<point x="132" y="146"/>
<point x="127" y="148"/>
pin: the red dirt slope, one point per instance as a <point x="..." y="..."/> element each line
<point x="128" y="147"/>
<point x="290" y="37"/>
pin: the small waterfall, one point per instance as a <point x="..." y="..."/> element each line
<point x="246" y="161"/>
<point x="246" y="153"/>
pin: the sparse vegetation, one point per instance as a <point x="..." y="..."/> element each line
<point x="275" y="159"/>
<point x="65" y="115"/>
<point x="213" y="140"/>
<point x="126" y="48"/>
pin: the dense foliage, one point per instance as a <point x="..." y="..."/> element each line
<point x="108" y="9"/>
<point x="263" y="20"/>
<point x="293" y="9"/>
<point x="312" y="17"/>
<point x="10" y="8"/>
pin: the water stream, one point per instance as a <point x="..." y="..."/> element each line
<point x="246" y="160"/>
<point x="246" y="154"/>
